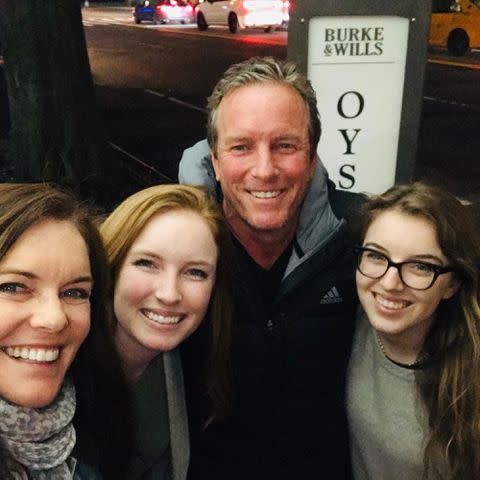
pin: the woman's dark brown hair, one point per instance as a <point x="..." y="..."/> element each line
<point x="102" y="417"/>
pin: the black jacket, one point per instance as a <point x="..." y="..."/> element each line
<point x="289" y="361"/>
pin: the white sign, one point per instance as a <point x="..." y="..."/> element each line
<point x="357" y="68"/>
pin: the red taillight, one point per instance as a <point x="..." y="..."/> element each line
<point x="189" y="9"/>
<point x="286" y="5"/>
<point x="164" y="8"/>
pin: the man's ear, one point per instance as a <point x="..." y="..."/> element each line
<point x="452" y="287"/>
<point x="215" y="165"/>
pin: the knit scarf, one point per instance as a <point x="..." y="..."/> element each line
<point x="39" y="440"/>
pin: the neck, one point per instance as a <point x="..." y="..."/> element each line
<point x="404" y="351"/>
<point x="263" y="246"/>
<point x="133" y="356"/>
<point x="264" y="251"/>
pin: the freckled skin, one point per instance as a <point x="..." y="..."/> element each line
<point x="167" y="274"/>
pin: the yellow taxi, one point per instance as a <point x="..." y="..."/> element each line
<point x="455" y="24"/>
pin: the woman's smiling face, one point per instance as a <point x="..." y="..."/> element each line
<point x="393" y="309"/>
<point x="45" y="286"/>
<point x="163" y="288"/>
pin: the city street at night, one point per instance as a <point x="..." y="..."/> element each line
<point x="152" y="82"/>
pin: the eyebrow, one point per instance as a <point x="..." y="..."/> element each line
<point x="276" y="138"/>
<point x="146" y="253"/>
<point x="237" y="139"/>
<point x="86" y="278"/>
<point x="31" y="275"/>
<point x="23" y="273"/>
<point x="420" y="256"/>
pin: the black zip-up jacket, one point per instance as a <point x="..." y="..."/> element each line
<point x="289" y="358"/>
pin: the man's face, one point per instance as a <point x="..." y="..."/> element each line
<point x="262" y="159"/>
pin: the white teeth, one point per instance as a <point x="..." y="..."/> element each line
<point x="271" y="194"/>
<point x="161" y="318"/>
<point x="51" y="355"/>
<point x="33" y="354"/>
<point x="389" y="304"/>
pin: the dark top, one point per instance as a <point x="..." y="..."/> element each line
<point x="290" y="346"/>
<point x="151" y="457"/>
<point x="266" y="280"/>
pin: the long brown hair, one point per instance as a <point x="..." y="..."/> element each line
<point x="450" y="386"/>
<point x="119" y="232"/>
<point x="102" y="415"/>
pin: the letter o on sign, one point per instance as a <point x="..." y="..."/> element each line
<point x="350" y="104"/>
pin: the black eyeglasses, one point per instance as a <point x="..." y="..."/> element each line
<point x="414" y="274"/>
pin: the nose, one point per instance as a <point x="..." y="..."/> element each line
<point x="168" y="289"/>
<point x="50" y="314"/>
<point x="391" y="280"/>
<point x="265" y="167"/>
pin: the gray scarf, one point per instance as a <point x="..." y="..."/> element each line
<point x="39" y="440"/>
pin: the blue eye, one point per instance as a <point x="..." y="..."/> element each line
<point x="421" y="268"/>
<point x="197" y="273"/>
<point x="287" y="147"/>
<point x="239" y="148"/>
<point x="372" y="255"/>
<point x="12" y="287"/>
<point x="143" y="262"/>
<point x="77" y="294"/>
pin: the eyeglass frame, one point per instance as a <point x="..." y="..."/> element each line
<point x="437" y="269"/>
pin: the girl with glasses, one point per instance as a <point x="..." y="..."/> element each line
<point x="413" y="393"/>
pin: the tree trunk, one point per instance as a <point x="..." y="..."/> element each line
<point x="54" y="134"/>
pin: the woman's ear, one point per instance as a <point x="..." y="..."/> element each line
<point x="452" y="287"/>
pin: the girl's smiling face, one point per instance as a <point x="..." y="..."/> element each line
<point x="395" y="310"/>
<point x="163" y="288"/>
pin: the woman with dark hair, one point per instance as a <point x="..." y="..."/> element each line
<point x="61" y="387"/>
<point x="413" y="388"/>
<point x="168" y="250"/>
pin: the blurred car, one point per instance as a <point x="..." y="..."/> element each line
<point x="235" y="14"/>
<point x="286" y="8"/>
<point x="164" y="11"/>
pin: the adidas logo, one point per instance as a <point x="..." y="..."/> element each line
<point x="332" y="296"/>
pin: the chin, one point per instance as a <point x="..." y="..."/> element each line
<point x="35" y="399"/>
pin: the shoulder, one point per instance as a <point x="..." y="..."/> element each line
<point x="345" y="204"/>
<point x="86" y="472"/>
<point x="195" y="166"/>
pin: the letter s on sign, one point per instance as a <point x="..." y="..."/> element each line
<point x="347" y="175"/>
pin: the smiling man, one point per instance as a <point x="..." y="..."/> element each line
<point x="294" y="292"/>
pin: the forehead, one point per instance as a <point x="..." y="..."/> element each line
<point x="52" y="243"/>
<point x="403" y="233"/>
<point x="180" y="232"/>
<point x="262" y="106"/>
<point x="58" y="230"/>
